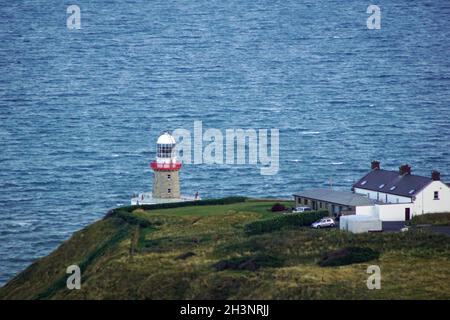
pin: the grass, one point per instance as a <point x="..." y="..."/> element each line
<point x="262" y="208"/>
<point x="287" y="221"/>
<point x="279" y="264"/>
<point x="99" y="251"/>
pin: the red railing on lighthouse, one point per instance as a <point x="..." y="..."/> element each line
<point x="165" y="166"/>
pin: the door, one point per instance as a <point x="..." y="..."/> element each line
<point x="407" y="214"/>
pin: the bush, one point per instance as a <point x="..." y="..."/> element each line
<point x="348" y="256"/>
<point x="277" y="207"/>
<point x="437" y="219"/>
<point x="248" y="263"/>
<point x="286" y="221"/>
<point x="184" y="256"/>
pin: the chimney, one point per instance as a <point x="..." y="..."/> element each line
<point x="375" y="165"/>
<point x="404" y="169"/>
<point x="435" y="175"/>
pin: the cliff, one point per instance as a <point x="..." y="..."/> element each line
<point x="234" y="248"/>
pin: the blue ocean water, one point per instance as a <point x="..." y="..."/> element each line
<point x="80" y="110"/>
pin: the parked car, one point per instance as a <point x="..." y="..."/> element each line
<point x="324" y="223"/>
<point x="301" y="209"/>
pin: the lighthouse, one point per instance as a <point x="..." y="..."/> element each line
<point x="166" y="169"/>
<point x="166" y="176"/>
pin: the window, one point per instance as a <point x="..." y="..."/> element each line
<point x="164" y="150"/>
<point x="168" y="177"/>
<point x="306" y="201"/>
<point x="436" y="195"/>
<point x="381" y="185"/>
<point x="364" y="182"/>
<point x="169" y="190"/>
<point x="411" y="191"/>
<point x="393" y="188"/>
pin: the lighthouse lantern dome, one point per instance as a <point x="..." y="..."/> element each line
<point x="166" y="138"/>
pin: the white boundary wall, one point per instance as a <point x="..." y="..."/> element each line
<point x="360" y="224"/>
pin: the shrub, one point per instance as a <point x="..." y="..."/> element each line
<point x="436" y="219"/>
<point x="348" y="256"/>
<point x="277" y="207"/>
<point x="248" y="263"/>
<point x="184" y="256"/>
<point x="286" y="221"/>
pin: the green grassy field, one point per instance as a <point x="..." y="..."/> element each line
<point x="186" y="253"/>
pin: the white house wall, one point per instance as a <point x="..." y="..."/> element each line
<point x="366" y="210"/>
<point x="381" y="196"/>
<point x="393" y="212"/>
<point x="386" y="212"/>
<point x="425" y="203"/>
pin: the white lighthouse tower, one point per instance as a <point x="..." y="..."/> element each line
<point x="166" y="168"/>
<point x="166" y="175"/>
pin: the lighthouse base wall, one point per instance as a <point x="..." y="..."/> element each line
<point x="166" y="184"/>
<point x="146" y="198"/>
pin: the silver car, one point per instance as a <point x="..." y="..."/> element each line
<point x="301" y="209"/>
<point x="324" y="223"/>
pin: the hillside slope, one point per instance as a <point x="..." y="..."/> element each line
<point x="219" y="252"/>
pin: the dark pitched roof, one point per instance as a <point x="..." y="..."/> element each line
<point x="339" y="197"/>
<point x="391" y="182"/>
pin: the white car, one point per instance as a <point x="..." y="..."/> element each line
<point x="324" y="223"/>
<point x="301" y="209"/>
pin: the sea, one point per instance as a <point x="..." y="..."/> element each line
<point x="81" y="109"/>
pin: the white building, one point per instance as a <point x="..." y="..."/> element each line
<point x="400" y="195"/>
<point x="382" y="194"/>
